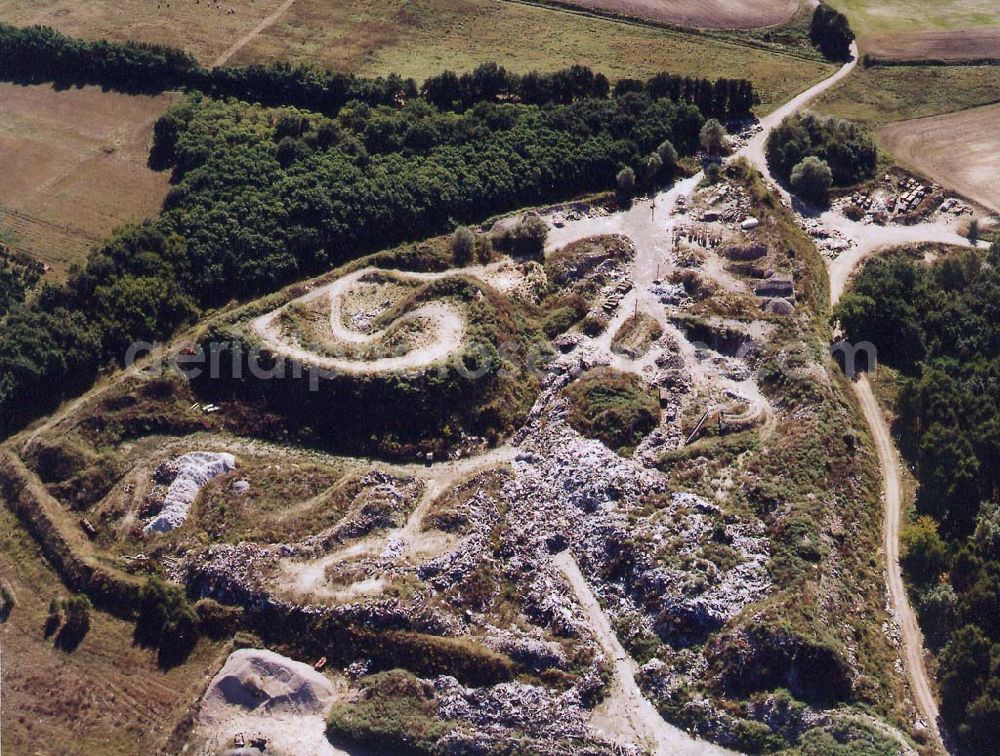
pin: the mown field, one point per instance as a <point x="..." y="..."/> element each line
<point x="958" y="150"/>
<point x="73" y="166"/>
<point x="917" y="29"/>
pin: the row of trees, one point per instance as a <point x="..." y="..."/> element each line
<point x="940" y="325"/>
<point x="264" y="197"/>
<point x="37" y="54"/>
<point x="725" y="99"/>
<point x="40" y="54"/>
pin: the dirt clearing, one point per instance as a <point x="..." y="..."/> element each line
<point x="960" y="151"/>
<point x="706" y="14"/>
<point x="73" y="168"/>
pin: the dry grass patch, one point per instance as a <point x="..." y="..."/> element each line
<point x="895" y="93"/>
<point x="73" y="166"/>
<point x="107" y="696"/>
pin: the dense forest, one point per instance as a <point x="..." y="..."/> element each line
<point x="263" y="197"/>
<point x="940" y="325"/>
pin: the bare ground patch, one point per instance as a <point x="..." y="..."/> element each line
<point x="945" y="44"/>
<point x="958" y="150"/>
<point x="73" y="166"/>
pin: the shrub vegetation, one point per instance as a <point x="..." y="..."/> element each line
<point x="616" y="408"/>
<point x="846" y="147"/>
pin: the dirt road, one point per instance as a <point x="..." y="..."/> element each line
<point x="626" y="714"/>
<point x="444" y="326"/>
<point x="246" y="39"/>
<point x="912" y="637"/>
<point x="868" y="239"/>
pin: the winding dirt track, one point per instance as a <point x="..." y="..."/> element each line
<point x="912" y="637"/>
<point x="445" y="335"/>
<point x="627" y="712"/>
<point x="839" y="271"/>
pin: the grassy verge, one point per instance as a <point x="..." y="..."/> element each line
<point x="896" y="93"/>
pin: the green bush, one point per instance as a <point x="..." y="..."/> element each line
<point x="76" y="610"/>
<point x="463" y="244"/>
<point x="396" y="714"/>
<point x="166" y="621"/>
<point x="7" y="600"/>
<point x="924" y="552"/>
<point x="811" y="180"/>
<point x="616" y="408"/>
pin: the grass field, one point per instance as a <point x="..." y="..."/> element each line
<point x="73" y="167"/>
<point x="706" y="14"/>
<point x="205" y="28"/>
<point x="917" y="29"/>
<point x="895" y="93"/>
<point x="958" y="150"/>
<point x="421" y="38"/>
<point x="106" y="696"/>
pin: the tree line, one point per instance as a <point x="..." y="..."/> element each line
<point x="725" y="99"/>
<point x="41" y="54"/>
<point x="940" y="325"/>
<point x="263" y="197"/>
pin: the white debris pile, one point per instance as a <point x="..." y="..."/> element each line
<point x="186" y="475"/>
<point x="533" y="710"/>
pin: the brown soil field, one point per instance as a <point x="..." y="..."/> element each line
<point x="948" y="45"/>
<point x="206" y="29"/>
<point x="960" y="151"/>
<point x="705" y="14"/>
<point x="73" y="167"/>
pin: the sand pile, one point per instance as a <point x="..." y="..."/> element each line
<point x="265" y="682"/>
